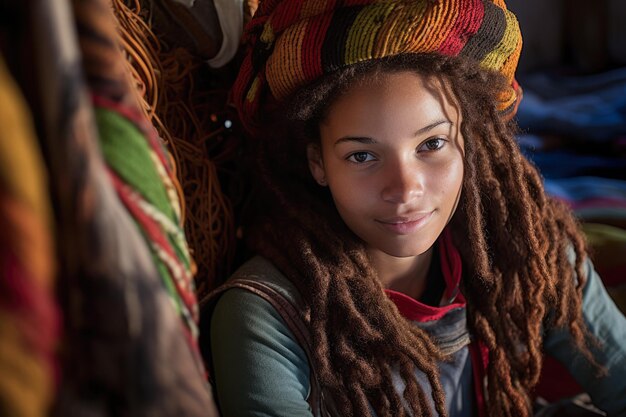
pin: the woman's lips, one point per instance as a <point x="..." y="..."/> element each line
<point x="405" y="225"/>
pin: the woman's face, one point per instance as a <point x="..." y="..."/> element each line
<point x="392" y="156"/>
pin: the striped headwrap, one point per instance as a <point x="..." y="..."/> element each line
<point x="291" y="43"/>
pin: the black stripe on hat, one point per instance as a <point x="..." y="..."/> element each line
<point x="489" y="34"/>
<point x="334" y="47"/>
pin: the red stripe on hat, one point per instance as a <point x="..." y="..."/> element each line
<point x="311" y="52"/>
<point x="467" y="24"/>
<point x="285" y="15"/>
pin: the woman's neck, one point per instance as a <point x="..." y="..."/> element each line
<point x="405" y="275"/>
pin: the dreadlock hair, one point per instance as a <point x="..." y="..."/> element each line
<point x="517" y="245"/>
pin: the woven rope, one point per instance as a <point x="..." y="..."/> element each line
<point x="188" y="119"/>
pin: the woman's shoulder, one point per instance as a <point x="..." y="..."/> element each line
<point x="607" y="326"/>
<point x="262" y="278"/>
<point x="250" y="341"/>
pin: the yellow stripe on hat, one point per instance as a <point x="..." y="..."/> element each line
<point x="430" y="30"/>
<point x="363" y="33"/>
<point x="400" y="35"/>
<point x="506" y="98"/>
<point x="496" y="58"/>
<point x="510" y="65"/>
<point x="268" y="34"/>
<point x="284" y="66"/>
<point x="252" y="92"/>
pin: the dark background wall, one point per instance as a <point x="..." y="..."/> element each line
<point x="585" y="35"/>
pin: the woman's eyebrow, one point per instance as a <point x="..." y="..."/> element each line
<point x="369" y="141"/>
<point x="358" y="139"/>
<point x="431" y="127"/>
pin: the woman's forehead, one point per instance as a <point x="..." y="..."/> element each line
<point x="385" y="95"/>
<point x="399" y="109"/>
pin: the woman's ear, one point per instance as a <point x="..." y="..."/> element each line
<point x="316" y="164"/>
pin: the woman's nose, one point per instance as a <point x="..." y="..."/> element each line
<point x="402" y="182"/>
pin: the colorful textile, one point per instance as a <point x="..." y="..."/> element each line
<point x="291" y="43"/>
<point x="585" y="194"/>
<point x="126" y="351"/>
<point x="557" y="85"/>
<point x="552" y="166"/>
<point x="589" y="109"/>
<point x="26" y="386"/>
<point x="29" y="316"/>
<point x="141" y="173"/>
<point x="137" y="178"/>
<point x="593" y="117"/>
<point x="578" y="189"/>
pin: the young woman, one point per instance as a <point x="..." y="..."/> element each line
<point x="428" y="269"/>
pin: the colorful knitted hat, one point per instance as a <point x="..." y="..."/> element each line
<point x="291" y="43"/>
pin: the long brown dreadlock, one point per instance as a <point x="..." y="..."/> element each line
<point x="517" y="247"/>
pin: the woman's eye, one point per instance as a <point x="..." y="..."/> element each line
<point x="432" y="144"/>
<point x="361" y="157"/>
